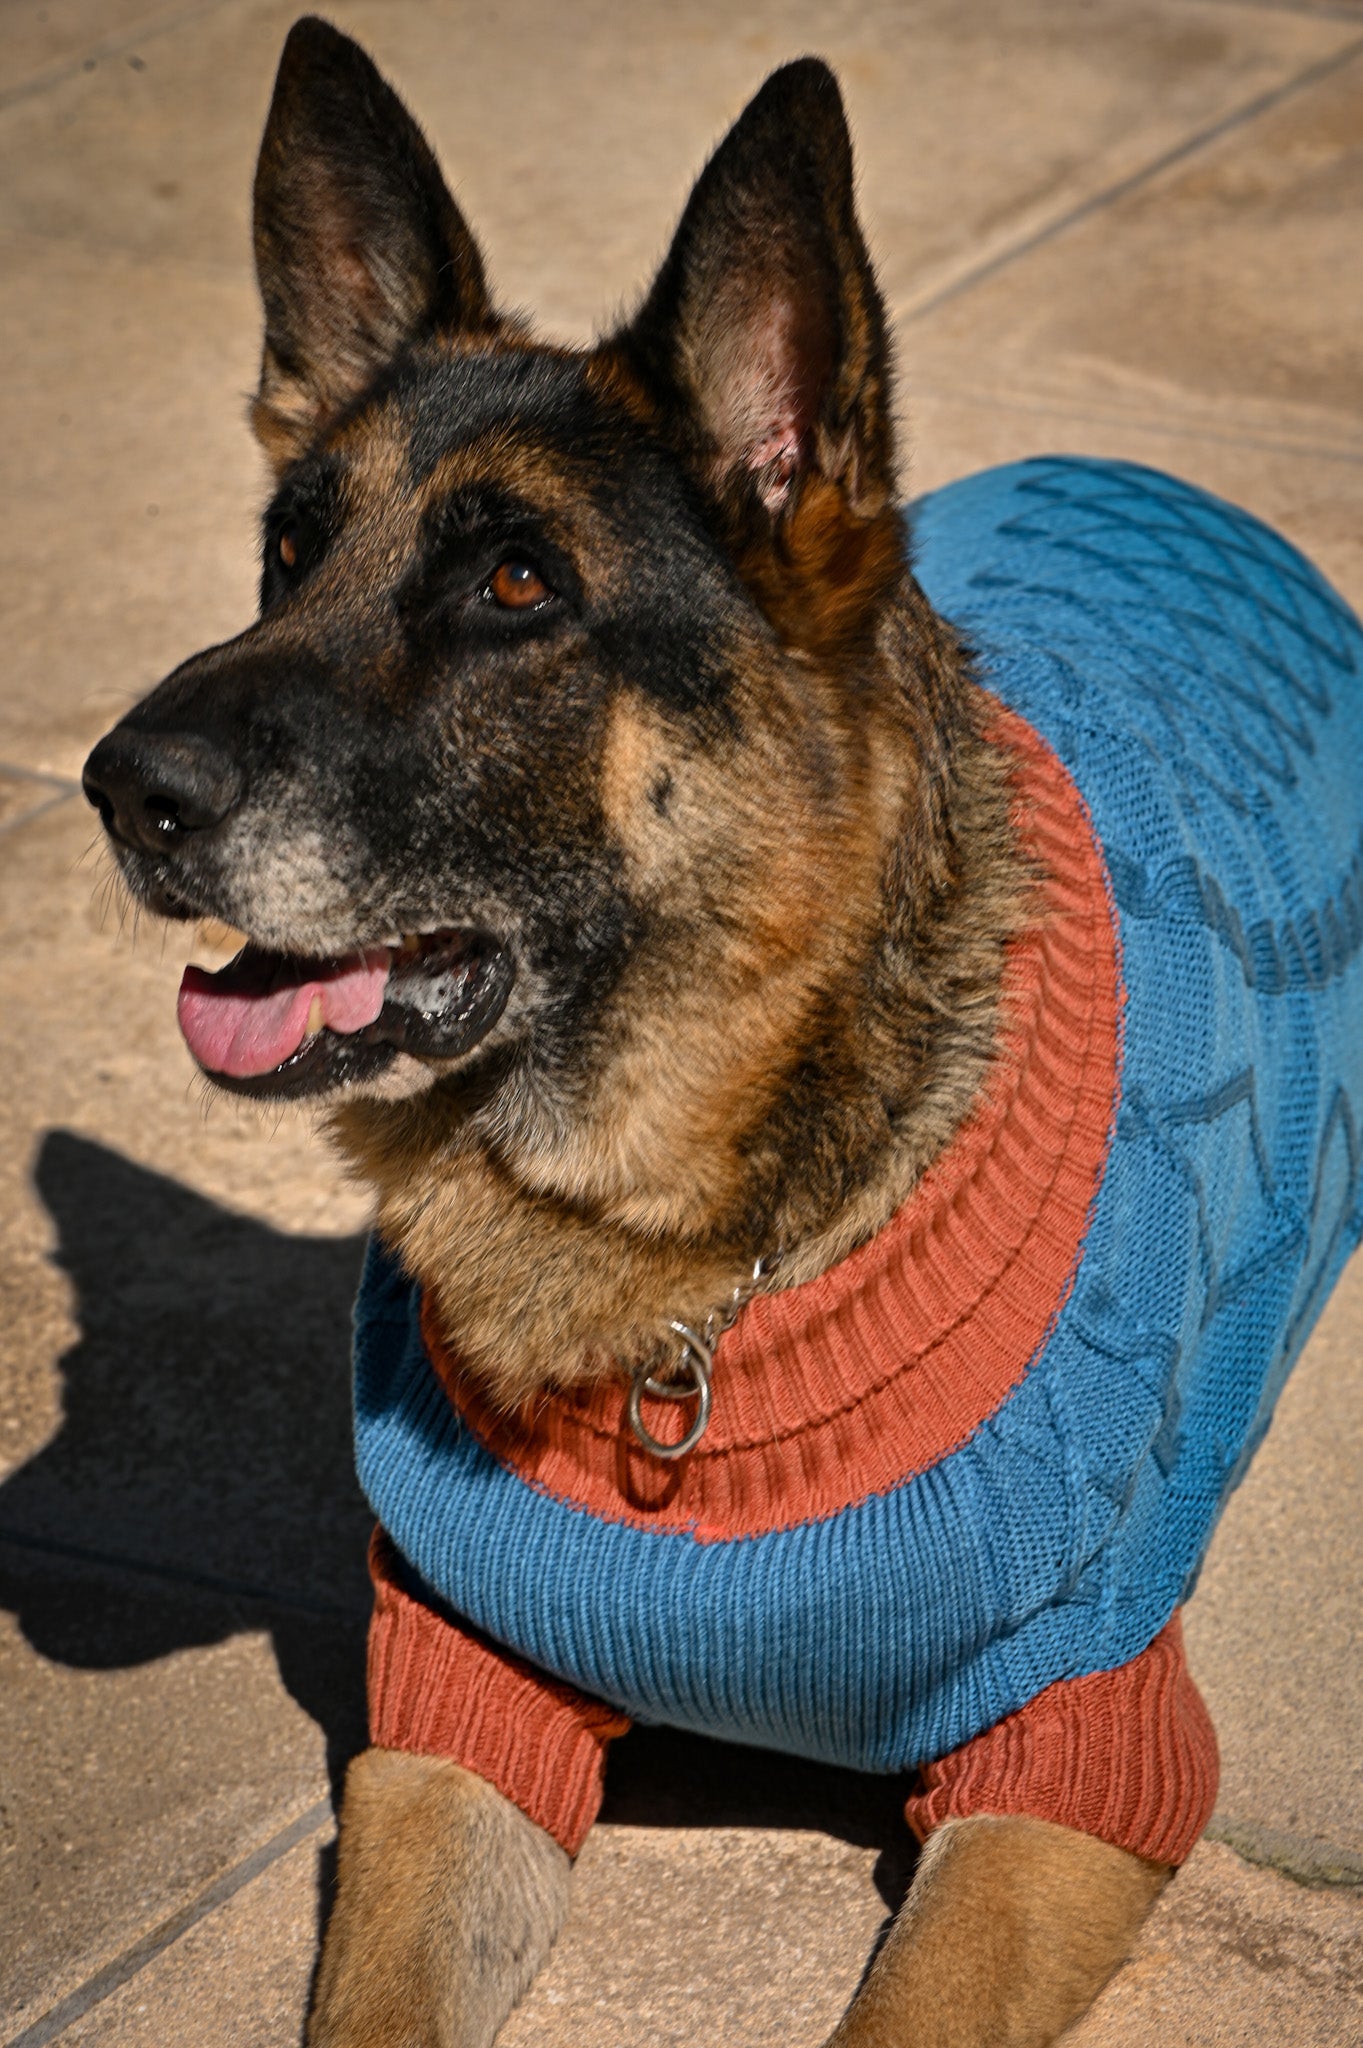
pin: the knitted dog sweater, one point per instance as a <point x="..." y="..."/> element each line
<point x="954" y="1491"/>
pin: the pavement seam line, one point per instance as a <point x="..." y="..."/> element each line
<point x="1192" y="145"/>
<point x="1095" y="414"/>
<point x="203" y="1582"/>
<point x="135" y="1959"/>
<point x="19" y="773"/>
<point x="39" y="810"/>
<point x="90" y="59"/>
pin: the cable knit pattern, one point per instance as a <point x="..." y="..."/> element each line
<point x="1026" y="1520"/>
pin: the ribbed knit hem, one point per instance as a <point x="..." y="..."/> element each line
<point x="440" y="1688"/>
<point x="1129" y="1756"/>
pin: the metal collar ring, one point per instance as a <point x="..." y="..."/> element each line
<point x="695" y="1360"/>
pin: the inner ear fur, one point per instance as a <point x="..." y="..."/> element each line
<point x="360" y="250"/>
<point x="763" y="345"/>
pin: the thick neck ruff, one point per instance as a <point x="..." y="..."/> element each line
<point x="846" y="1386"/>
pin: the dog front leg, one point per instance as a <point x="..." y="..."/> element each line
<point x="448" y="1901"/>
<point x="1011" y="1928"/>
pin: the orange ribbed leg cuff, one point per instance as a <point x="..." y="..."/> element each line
<point x="438" y="1687"/>
<point x="1129" y="1756"/>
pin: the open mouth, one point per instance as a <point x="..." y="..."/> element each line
<point x="271" y="1024"/>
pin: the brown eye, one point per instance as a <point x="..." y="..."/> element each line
<point x="517" y="586"/>
<point x="288" y="546"/>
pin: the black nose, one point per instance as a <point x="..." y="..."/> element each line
<point x="151" y="788"/>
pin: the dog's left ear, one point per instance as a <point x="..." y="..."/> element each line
<point x="360" y="250"/>
<point x="763" y="344"/>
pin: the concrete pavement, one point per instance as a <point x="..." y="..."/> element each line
<point x="1131" y="229"/>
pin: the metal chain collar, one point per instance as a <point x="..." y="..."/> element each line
<point x="695" y="1361"/>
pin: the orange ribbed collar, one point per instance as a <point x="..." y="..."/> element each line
<point x="848" y="1385"/>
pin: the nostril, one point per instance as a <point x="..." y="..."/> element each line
<point x="96" y="782"/>
<point x="96" y="797"/>
<point x="163" y="814"/>
<point x="152" y="789"/>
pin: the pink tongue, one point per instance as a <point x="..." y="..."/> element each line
<point x="242" y="1032"/>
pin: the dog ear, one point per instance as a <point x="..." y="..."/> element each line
<point x="359" y="247"/>
<point x="763" y="343"/>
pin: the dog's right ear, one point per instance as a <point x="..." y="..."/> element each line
<point x="763" y="346"/>
<point x="360" y="250"/>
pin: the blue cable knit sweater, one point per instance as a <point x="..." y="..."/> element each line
<point x="1204" y="688"/>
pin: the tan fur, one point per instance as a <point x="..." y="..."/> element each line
<point x="1011" y="1929"/>
<point x="448" y="1903"/>
<point x="834" y="562"/>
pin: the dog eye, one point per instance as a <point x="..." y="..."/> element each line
<point x="517" y="587"/>
<point x="287" y="545"/>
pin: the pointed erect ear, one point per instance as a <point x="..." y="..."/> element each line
<point x="763" y="338"/>
<point x="359" y="247"/>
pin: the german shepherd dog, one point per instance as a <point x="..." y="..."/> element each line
<point x="628" y="873"/>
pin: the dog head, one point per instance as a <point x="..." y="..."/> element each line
<point x="569" y="679"/>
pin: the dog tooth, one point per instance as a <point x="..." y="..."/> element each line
<point x="314" y="1017"/>
<point x="220" y="938"/>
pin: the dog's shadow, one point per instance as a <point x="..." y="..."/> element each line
<point x="202" y="1483"/>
